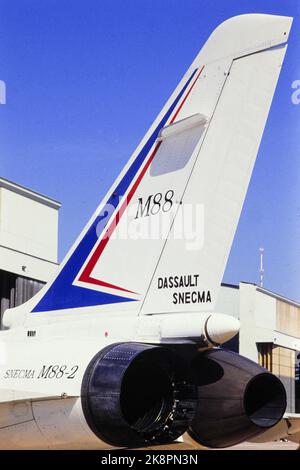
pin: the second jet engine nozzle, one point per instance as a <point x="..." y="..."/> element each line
<point x="237" y="399"/>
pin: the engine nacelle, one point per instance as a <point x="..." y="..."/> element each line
<point x="134" y="394"/>
<point x="137" y="394"/>
<point x="237" y="399"/>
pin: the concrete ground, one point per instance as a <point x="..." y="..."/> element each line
<point x="274" y="445"/>
<point x="190" y="444"/>
<point x="265" y="446"/>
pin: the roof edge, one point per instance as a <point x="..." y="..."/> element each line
<point x="23" y="191"/>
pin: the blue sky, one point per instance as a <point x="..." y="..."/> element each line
<point x="85" y="79"/>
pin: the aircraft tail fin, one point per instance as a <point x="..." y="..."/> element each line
<point x="160" y="239"/>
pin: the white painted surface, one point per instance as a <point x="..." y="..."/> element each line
<point x="265" y="311"/>
<point x="228" y="301"/>
<point x="29" y="266"/>
<point x="28" y="232"/>
<point x="28" y="226"/>
<point x="245" y="34"/>
<point x="219" y="179"/>
<point x="248" y="328"/>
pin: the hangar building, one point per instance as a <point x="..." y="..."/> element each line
<point x="28" y="242"/>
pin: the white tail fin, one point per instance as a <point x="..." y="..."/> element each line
<point x="194" y="163"/>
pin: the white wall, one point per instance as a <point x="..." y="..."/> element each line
<point x="28" y="226"/>
<point x="247" y="318"/>
<point x="28" y="232"/>
<point x="228" y="301"/>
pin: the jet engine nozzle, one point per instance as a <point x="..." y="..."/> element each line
<point x="134" y="394"/>
<point x="237" y="399"/>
